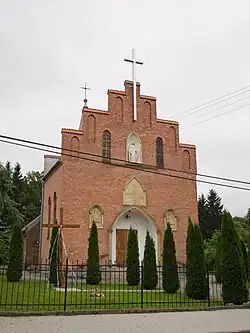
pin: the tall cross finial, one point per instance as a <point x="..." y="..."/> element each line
<point x="134" y="62"/>
<point x="85" y="94"/>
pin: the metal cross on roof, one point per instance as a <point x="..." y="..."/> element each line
<point x="85" y="94"/>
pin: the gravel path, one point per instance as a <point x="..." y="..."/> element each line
<point x="182" y="322"/>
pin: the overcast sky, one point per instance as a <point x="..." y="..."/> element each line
<point x="193" y="51"/>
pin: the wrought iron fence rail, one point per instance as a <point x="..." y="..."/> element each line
<point x="34" y="291"/>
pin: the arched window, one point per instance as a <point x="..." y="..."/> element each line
<point x="54" y="208"/>
<point x="159" y="153"/>
<point x="49" y="217"/>
<point x="106" y="146"/>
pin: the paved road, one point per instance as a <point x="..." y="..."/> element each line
<point x="182" y="322"/>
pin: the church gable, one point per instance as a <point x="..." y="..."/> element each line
<point x="134" y="194"/>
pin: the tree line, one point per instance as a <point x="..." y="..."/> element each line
<point x="20" y="201"/>
<point x="210" y="215"/>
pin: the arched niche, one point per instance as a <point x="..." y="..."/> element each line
<point x="119" y="109"/>
<point x="169" y="217"/>
<point x="74" y="146"/>
<point x="172" y="139"/>
<point x="134" y="148"/>
<point x="147" y="114"/>
<point x="91" y="128"/>
<point x="96" y="213"/>
<point x="186" y="160"/>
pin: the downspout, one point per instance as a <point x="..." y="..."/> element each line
<point x="41" y="226"/>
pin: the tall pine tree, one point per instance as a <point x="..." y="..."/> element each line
<point x="218" y="261"/>
<point x="248" y="257"/>
<point x="203" y="215"/>
<point x="196" y="279"/>
<point x="8" y="213"/>
<point x="150" y="276"/>
<point x="133" y="265"/>
<point x="244" y="257"/>
<point x="214" y="211"/>
<point x="170" y="279"/>
<point x="93" y="266"/>
<point x="8" y="169"/>
<point x="15" y="265"/>
<point x="17" y="186"/>
<point x="234" y="289"/>
<point x="54" y="258"/>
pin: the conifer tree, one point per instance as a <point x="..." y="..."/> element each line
<point x="248" y="257"/>
<point x="215" y="212"/>
<point x="133" y="265"/>
<point x="93" y="266"/>
<point x="218" y="261"/>
<point x="244" y="257"/>
<point x="8" y="169"/>
<point x="54" y="257"/>
<point x="203" y="215"/>
<point x="170" y="279"/>
<point x="15" y="265"/>
<point x="234" y="288"/>
<point x="17" y="189"/>
<point x="150" y="276"/>
<point x="196" y="279"/>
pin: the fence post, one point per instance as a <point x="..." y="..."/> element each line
<point x="208" y="287"/>
<point x="142" y="277"/>
<point x="66" y="284"/>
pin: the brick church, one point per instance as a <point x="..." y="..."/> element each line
<point x="137" y="174"/>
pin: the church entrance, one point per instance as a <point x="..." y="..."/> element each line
<point x="121" y="246"/>
<point x="139" y="221"/>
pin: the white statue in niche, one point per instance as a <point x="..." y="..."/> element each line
<point x="133" y="152"/>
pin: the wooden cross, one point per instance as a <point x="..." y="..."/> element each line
<point x="61" y="225"/>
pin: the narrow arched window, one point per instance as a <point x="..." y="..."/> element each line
<point x="49" y="217"/>
<point x="54" y="208"/>
<point x="159" y="153"/>
<point x="106" y="146"/>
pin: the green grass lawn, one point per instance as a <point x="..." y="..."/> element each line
<point x="40" y="296"/>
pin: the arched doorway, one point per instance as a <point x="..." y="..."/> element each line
<point x="138" y="220"/>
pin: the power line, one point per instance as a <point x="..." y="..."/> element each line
<point x="224" y="100"/>
<point x="221" y="114"/>
<point x="216" y="116"/>
<point x="124" y="161"/>
<point x="134" y="166"/>
<point x="222" y="107"/>
<point x="213" y="100"/>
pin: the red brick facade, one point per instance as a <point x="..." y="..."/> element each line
<point x="80" y="184"/>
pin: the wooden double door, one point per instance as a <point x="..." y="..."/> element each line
<point x="121" y="246"/>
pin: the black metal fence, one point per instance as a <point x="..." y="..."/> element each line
<point x="34" y="292"/>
